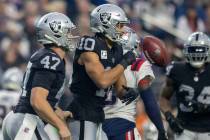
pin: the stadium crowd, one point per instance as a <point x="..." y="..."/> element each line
<point x="170" y="20"/>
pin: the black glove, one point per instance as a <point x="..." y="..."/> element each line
<point x="173" y="123"/>
<point x="128" y="59"/>
<point x="162" y="136"/>
<point x="129" y="96"/>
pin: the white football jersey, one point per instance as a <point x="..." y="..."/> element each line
<point x="8" y="99"/>
<point x="141" y="68"/>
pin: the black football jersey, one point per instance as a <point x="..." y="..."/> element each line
<point x="47" y="70"/>
<point x="88" y="97"/>
<point x="192" y="94"/>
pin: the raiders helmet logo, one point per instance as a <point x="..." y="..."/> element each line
<point x="55" y="26"/>
<point x="105" y="17"/>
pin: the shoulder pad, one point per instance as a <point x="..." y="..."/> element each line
<point x="174" y="67"/>
<point x="46" y="59"/>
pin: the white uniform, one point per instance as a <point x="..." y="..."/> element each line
<point x="141" y="68"/>
<point x="121" y="110"/>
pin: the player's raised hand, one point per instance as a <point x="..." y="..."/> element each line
<point x="128" y="59"/>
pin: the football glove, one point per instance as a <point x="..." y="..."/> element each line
<point x="162" y="136"/>
<point x="129" y="96"/>
<point x="128" y="59"/>
<point x="173" y="123"/>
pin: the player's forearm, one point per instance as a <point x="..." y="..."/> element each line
<point x="166" y="94"/>
<point x="45" y="111"/>
<point x="152" y="108"/>
<point x="109" y="77"/>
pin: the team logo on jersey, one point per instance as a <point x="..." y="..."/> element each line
<point x="105" y="17"/>
<point x="103" y="54"/>
<point x="55" y="26"/>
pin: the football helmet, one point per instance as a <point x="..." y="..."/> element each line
<point x="106" y="18"/>
<point x="58" y="29"/>
<point x="196" y="49"/>
<point x="12" y="79"/>
<point x="130" y="41"/>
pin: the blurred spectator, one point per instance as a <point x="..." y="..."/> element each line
<point x="31" y="12"/>
<point x="182" y="8"/>
<point x="190" y="23"/>
<point x="11" y="57"/>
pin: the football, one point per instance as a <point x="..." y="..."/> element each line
<point x="155" y="51"/>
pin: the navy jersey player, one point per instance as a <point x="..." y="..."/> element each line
<point x="120" y="115"/>
<point x="43" y="83"/>
<point x="98" y="64"/>
<point x="190" y="81"/>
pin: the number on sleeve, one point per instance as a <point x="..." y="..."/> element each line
<point x="46" y="62"/>
<point x="87" y="44"/>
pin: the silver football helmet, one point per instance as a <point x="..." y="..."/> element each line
<point x="105" y="19"/>
<point x="130" y="41"/>
<point x="196" y="49"/>
<point x="12" y="79"/>
<point x="58" y="29"/>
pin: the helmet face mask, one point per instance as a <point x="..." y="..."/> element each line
<point x="56" y="28"/>
<point x="108" y="19"/>
<point x="196" y="50"/>
<point x="130" y="41"/>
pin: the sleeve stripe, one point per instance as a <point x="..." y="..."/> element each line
<point x="137" y="64"/>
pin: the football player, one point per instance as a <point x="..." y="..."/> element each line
<point x="98" y="64"/>
<point x="43" y="83"/>
<point x="120" y="113"/>
<point x="10" y="92"/>
<point x="190" y="82"/>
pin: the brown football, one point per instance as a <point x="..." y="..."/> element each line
<point x="155" y="51"/>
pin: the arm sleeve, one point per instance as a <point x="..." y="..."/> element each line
<point x="152" y="108"/>
<point x="43" y="78"/>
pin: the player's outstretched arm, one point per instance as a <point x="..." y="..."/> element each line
<point x="165" y="105"/>
<point x="151" y="105"/>
<point x="40" y="104"/>
<point x="104" y="78"/>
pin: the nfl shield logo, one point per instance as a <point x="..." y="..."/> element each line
<point x="103" y="54"/>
